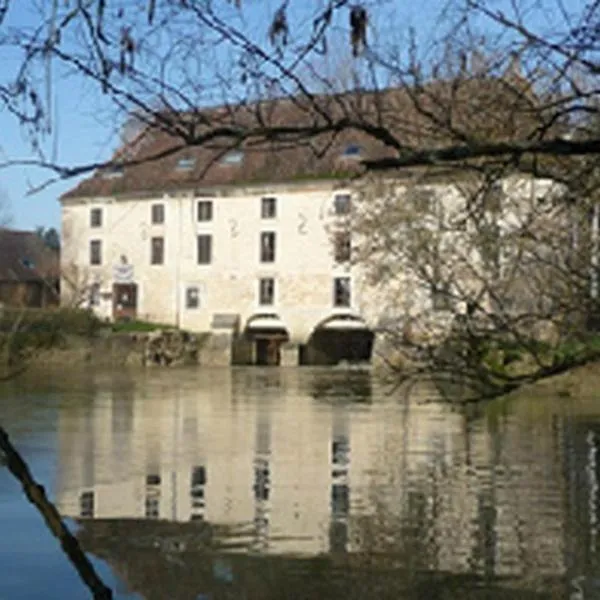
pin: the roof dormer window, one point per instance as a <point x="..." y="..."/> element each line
<point x="234" y="157"/>
<point x="185" y="164"/>
<point x="113" y="172"/>
<point x="352" y="151"/>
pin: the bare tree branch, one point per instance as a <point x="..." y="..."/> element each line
<point x="37" y="496"/>
<point x="437" y="156"/>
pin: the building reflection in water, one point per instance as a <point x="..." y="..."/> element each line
<point x="581" y="442"/>
<point x="278" y="469"/>
<point x="340" y="484"/>
<point x="262" y="480"/>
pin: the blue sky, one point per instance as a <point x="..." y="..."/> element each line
<point x="85" y="129"/>
<point x="80" y="138"/>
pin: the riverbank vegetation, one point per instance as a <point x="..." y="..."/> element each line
<point x="28" y="335"/>
<point x="490" y="280"/>
<point x="24" y="333"/>
<point x="492" y="366"/>
<point x="471" y="359"/>
<point x="132" y="326"/>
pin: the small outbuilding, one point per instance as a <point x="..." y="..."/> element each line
<point x="29" y="270"/>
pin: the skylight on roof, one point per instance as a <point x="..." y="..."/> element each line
<point x="113" y="172"/>
<point x="185" y="164"/>
<point x="352" y="150"/>
<point x="235" y="157"/>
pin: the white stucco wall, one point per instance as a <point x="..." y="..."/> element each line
<point x="304" y="268"/>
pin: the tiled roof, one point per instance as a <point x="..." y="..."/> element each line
<point x="24" y="257"/>
<point x="477" y="109"/>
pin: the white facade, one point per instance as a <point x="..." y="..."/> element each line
<point x="304" y="268"/>
<point x="300" y="285"/>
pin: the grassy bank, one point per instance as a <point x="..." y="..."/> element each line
<point x="25" y="332"/>
<point x="517" y="362"/>
<point x="488" y="364"/>
<point x="47" y="326"/>
<point x="64" y="334"/>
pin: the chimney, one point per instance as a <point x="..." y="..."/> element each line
<point x="479" y="64"/>
<point x="513" y="70"/>
<point x="131" y="129"/>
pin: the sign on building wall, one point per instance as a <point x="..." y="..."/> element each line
<point x="123" y="272"/>
<point x="225" y="321"/>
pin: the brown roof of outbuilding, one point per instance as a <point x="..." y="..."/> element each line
<point x="480" y="109"/>
<point x="24" y="257"/>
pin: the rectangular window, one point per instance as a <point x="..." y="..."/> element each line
<point x="152" y="505"/>
<point x="205" y="210"/>
<point x="266" y="291"/>
<point x="94" y="294"/>
<point x="157" y="250"/>
<point x="341" y="204"/>
<point x="192" y="297"/>
<point x="424" y="200"/>
<point x="153" y="479"/>
<point x="441" y="298"/>
<point x="96" y="217"/>
<point x="86" y="504"/>
<point x="204" y="249"/>
<point x="185" y="164"/>
<point x="262" y="480"/>
<point x="340" y="451"/>
<point x="340" y="499"/>
<point x="341" y="291"/>
<point x="493" y="197"/>
<point x="267" y="246"/>
<point x="268" y="208"/>
<point x="158" y="214"/>
<point x="198" y="476"/>
<point x="95" y="252"/>
<point x="342" y="246"/>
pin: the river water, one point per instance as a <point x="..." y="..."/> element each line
<point x="298" y="483"/>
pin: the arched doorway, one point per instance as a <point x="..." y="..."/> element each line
<point x="266" y="333"/>
<point x="338" y="339"/>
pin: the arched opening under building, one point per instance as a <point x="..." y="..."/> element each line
<point x="338" y="339"/>
<point x="263" y="335"/>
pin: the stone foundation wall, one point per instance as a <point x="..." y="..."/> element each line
<point x="156" y="348"/>
<point x="169" y="348"/>
<point x="289" y="355"/>
<point x="216" y="350"/>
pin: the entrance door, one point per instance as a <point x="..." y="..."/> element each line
<point x="267" y="351"/>
<point x="124" y="301"/>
